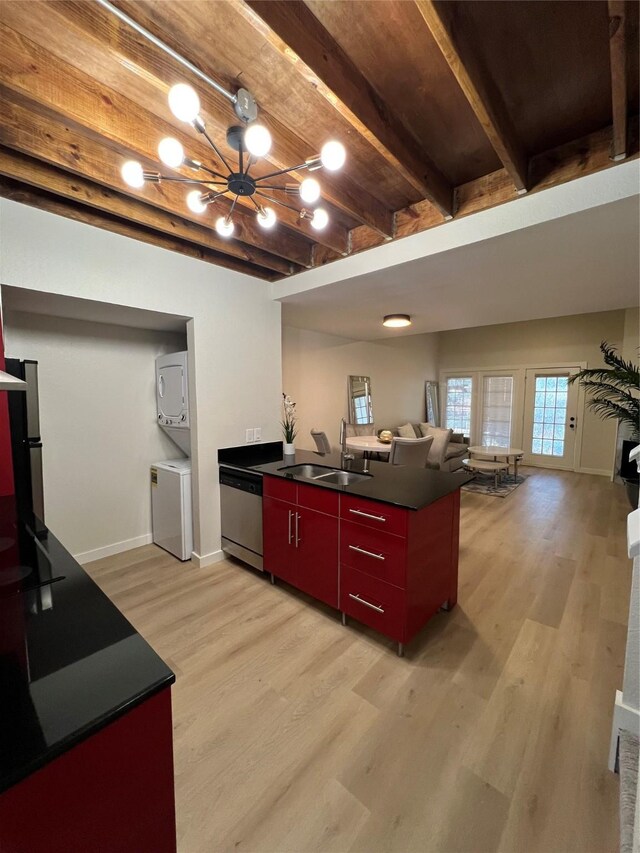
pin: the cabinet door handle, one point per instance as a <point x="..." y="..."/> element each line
<point x="368" y="515"/>
<point x="290" y="514"/>
<point x="375" y="607"/>
<point x="367" y="553"/>
<point x="298" y="517"/>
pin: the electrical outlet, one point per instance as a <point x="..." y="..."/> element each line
<point x="249" y="435"/>
<point x="257" y="434"/>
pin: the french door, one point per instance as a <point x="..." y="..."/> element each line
<point x="550" y="418"/>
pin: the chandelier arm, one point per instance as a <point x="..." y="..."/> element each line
<point x="282" y="172"/>
<point x="213" y="172"/>
<point x="250" y="163"/>
<point x="190" y="180"/>
<point x="230" y="214"/>
<point x="277" y="201"/>
<point x="218" y="152"/>
<point x="271" y="187"/>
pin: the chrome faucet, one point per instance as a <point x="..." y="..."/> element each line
<point x="344" y="453"/>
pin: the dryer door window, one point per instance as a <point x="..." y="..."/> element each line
<point x="171" y="393"/>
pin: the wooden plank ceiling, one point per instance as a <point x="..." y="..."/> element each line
<point x="445" y="108"/>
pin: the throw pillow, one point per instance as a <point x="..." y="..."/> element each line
<point x="406" y="431"/>
<point x="457" y="437"/>
<point x="441" y="439"/>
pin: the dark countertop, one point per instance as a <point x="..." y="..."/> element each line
<point x="411" y="488"/>
<point x="70" y="663"/>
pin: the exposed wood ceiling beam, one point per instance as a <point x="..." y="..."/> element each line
<point x="479" y="89"/>
<point x="76" y="99"/>
<point x="618" y="60"/>
<point x="37" y="174"/>
<point x="99" y="45"/>
<point x="291" y="26"/>
<point x="50" y="140"/>
<point x="551" y="168"/>
<point x="25" y="194"/>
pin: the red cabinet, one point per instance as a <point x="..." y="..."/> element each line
<point x="393" y="568"/>
<point x="300" y="542"/>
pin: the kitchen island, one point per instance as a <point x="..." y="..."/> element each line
<point x="380" y="544"/>
<point x="86" y="760"/>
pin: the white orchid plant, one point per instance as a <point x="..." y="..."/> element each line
<point x="289" y="419"/>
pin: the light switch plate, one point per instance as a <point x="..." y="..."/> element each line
<point x="257" y="434"/>
<point x="249" y="435"/>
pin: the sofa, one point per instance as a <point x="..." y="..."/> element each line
<point x="448" y="449"/>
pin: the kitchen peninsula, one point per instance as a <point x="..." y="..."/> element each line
<point x="86" y="758"/>
<point x="379" y="543"/>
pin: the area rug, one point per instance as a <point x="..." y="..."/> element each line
<point x="484" y="484"/>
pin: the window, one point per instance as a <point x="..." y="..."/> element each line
<point x="361" y="410"/>
<point x="496" y="411"/>
<point x="550" y="415"/>
<point x="458" y="409"/>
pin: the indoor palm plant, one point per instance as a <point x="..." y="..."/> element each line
<point x="289" y="421"/>
<point x="613" y="393"/>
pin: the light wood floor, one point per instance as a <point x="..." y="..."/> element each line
<point x="295" y="734"/>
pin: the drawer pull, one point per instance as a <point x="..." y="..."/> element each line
<point x="367" y="553"/>
<point x="366" y="603"/>
<point x="368" y="515"/>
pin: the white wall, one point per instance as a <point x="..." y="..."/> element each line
<point x="559" y="340"/>
<point x="234" y="339"/>
<point x="316" y="366"/>
<point x="98" y="425"/>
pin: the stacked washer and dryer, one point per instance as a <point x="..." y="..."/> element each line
<point x="171" y="507"/>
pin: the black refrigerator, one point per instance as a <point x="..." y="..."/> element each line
<point x="26" y="443"/>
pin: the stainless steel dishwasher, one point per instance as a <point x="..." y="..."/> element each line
<point x="241" y="514"/>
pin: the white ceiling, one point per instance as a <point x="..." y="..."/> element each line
<point x="581" y="263"/>
<point x="56" y="305"/>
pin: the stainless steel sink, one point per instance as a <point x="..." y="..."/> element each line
<point x="326" y="475"/>
<point x="308" y="471"/>
<point x="343" y="478"/>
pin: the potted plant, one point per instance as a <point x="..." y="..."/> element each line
<point x="614" y="394"/>
<point x="289" y="427"/>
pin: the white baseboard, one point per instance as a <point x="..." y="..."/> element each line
<point x="600" y="472"/>
<point x="116" y="548"/>
<point x="624" y="717"/>
<point x="202" y="560"/>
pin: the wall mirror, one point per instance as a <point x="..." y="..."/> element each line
<point x="360" y="406"/>
<point x="432" y="402"/>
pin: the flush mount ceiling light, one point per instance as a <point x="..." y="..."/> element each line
<point x="252" y="141"/>
<point x="396" y="321"/>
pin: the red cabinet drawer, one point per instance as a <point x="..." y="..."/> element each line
<point x="374" y="552"/>
<point x="278" y="487"/>
<point x="318" y="498"/>
<point x="373" y="602"/>
<point x="392" y="519"/>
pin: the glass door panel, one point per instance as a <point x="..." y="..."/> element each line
<point x="550" y="421"/>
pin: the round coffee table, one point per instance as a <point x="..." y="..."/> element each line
<point x="485" y="451"/>
<point x="486" y="466"/>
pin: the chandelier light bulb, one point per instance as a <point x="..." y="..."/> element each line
<point x="333" y="155"/>
<point x="257" y="140"/>
<point x="309" y="190"/>
<point x="320" y="219"/>
<point x="132" y="174"/>
<point x="184" y="102"/>
<point x="194" y="202"/>
<point x="171" y="152"/>
<point x="224" y="227"/>
<point x="266" y="217"/>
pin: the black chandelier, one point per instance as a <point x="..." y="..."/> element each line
<point x="252" y="141"/>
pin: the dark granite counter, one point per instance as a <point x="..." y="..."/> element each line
<point x="411" y="488"/>
<point x="70" y="663"/>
